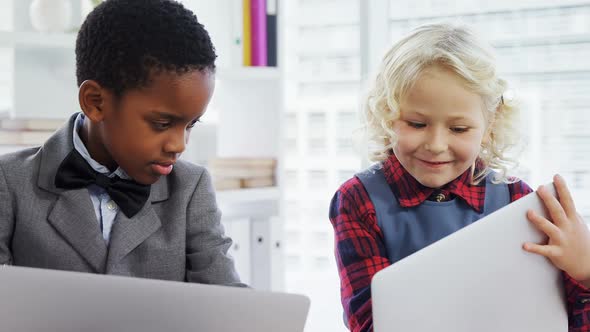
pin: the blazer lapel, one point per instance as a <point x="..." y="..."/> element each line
<point x="73" y="214"/>
<point x="128" y="233"/>
<point x="74" y="218"/>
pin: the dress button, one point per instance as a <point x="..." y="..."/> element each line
<point x="440" y="197"/>
<point x="111" y="205"/>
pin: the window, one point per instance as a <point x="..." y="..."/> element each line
<point x="542" y="48"/>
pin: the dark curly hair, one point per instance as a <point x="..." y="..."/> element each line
<point x="123" y="42"/>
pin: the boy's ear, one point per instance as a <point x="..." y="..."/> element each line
<point x="91" y="97"/>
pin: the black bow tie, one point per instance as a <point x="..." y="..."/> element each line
<point x="74" y="172"/>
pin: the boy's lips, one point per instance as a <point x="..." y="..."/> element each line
<point x="163" y="168"/>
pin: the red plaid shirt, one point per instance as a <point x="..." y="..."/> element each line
<point x="360" y="250"/>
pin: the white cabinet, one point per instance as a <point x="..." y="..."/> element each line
<point x="258" y="208"/>
<point x="242" y="120"/>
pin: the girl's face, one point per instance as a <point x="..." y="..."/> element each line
<point x="440" y="129"/>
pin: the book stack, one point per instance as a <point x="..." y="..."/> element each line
<point x="237" y="173"/>
<point x="27" y="132"/>
<point x="258" y="34"/>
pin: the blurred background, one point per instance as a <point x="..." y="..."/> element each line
<point x="299" y="114"/>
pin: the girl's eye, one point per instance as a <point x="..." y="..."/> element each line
<point x="459" y="130"/>
<point x="416" y="125"/>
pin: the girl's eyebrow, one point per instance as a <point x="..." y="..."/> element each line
<point x="411" y="111"/>
<point x="451" y="119"/>
<point x="459" y="117"/>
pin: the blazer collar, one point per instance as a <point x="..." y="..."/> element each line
<point x="54" y="151"/>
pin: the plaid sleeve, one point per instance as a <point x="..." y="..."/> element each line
<point x="578" y="296"/>
<point x="578" y="304"/>
<point x="359" y="249"/>
<point x="518" y="190"/>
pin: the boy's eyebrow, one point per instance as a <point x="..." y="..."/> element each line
<point x="169" y="116"/>
<point x="166" y="115"/>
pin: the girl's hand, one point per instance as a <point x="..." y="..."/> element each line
<point x="568" y="246"/>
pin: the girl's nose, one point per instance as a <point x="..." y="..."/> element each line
<point x="436" y="141"/>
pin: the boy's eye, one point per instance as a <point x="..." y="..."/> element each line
<point x="192" y="124"/>
<point x="416" y="125"/>
<point x="459" y="130"/>
<point x="161" y="125"/>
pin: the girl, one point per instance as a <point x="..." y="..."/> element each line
<point x="440" y="126"/>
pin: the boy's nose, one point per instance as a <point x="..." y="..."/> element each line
<point x="177" y="143"/>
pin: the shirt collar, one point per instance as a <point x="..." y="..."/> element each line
<point x="81" y="148"/>
<point x="409" y="192"/>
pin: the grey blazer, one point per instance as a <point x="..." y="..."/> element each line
<point x="176" y="236"/>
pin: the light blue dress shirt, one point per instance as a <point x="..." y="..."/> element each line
<point x="105" y="208"/>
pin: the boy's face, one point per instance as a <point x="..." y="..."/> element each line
<point x="145" y="130"/>
<point x="440" y="129"/>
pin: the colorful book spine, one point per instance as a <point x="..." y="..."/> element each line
<point x="258" y="26"/>
<point x="271" y="33"/>
<point x="247" y="36"/>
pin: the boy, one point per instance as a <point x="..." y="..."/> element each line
<point x="107" y="193"/>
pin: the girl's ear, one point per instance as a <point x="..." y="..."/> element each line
<point x="91" y="97"/>
<point x="487" y="136"/>
<point x="489" y="132"/>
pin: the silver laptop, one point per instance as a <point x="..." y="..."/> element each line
<point x="34" y="300"/>
<point x="477" y="279"/>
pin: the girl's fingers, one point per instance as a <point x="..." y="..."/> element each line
<point x="544" y="225"/>
<point x="565" y="197"/>
<point x="543" y="250"/>
<point x="554" y="208"/>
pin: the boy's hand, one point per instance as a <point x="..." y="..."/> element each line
<point x="568" y="247"/>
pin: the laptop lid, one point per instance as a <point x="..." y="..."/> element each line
<point x="477" y="279"/>
<point x="34" y="300"/>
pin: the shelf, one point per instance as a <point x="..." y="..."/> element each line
<point x="252" y="202"/>
<point x="308" y="79"/>
<point x="478" y="11"/>
<point x="248" y="195"/>
<point x="580" y="38"/>
<point x="37" y="39"/>
<point x="545" y="72"/>
<point x="248" y="73"/>
<point x="328" y="53"/>
<point x="328" y="25"/>
<point x="68" y="40"/>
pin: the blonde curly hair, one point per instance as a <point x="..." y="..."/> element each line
<point x="456" y="48"/>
